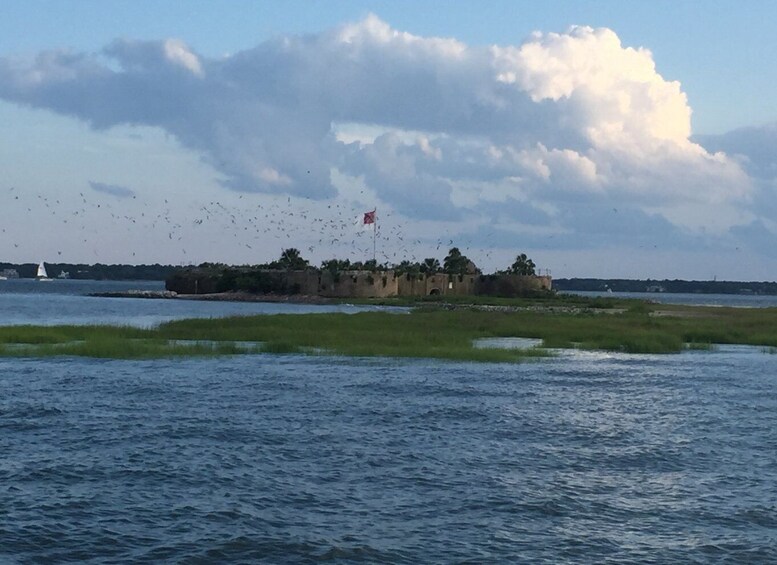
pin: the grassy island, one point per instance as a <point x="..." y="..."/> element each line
<point x="430" y="330"/>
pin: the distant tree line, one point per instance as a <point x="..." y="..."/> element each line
<point x="98" y="271"/>
<point x="454" y="263"/>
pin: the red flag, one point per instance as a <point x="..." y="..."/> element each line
<point x="369" y="218"/>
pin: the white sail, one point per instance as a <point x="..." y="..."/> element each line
<point x="42" y="271"/>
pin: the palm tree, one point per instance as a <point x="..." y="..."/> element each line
<point x="336" y="265"/>
<point x="406" y="267"/>
<point x="523" y="266"/>
<point x="430" y="265"/>
<point x="291" y="259"/>
<point x="457" y="264"/>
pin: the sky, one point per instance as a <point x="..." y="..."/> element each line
<point x="604" y="139"/>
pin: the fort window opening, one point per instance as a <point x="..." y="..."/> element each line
<point x="450" y="285"/>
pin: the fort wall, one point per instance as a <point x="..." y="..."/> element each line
<point x="381" y="284"/>
<point x="357" y="284"/>
<point x="354" y="284"/>
<point x="431" y="284"/>
<point x="302" y="282"/>
<point x="511" y="285"/>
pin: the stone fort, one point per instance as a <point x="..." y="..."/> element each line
<point x="356" y="284"/>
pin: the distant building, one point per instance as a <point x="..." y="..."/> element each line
<point x="9" y="274"/>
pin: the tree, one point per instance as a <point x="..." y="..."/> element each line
<point x="406" y="267"/>
<point x="457" y="264"/>
<point x="430" y="265"/>
<point x="291" y="260"/>
<point x="336" y="265"/>
<point x="522" y="266"/>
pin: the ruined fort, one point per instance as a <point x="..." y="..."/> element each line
<point x="353" y="283"/>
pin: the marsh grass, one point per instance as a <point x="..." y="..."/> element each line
<point x="62" y="334"/>
<point x="449" y="334"/>
<point x="541" y="299"/>
<point x="118" y="347"/>
<point x="428" y="333"/>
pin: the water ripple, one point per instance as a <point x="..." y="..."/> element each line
<point x="588" y="458"/>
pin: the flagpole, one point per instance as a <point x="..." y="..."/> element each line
<point x="375" y="236"/>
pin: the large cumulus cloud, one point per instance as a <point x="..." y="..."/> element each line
<point x="437" y="129"/>
<point x="754" y="147"/>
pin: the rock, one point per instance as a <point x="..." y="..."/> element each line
<point x="137" y="294"/>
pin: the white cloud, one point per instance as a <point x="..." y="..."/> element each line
<point x="177" y="52"/>
<point x="436" y="128"/>
<point x="755" y="148"/>
<point x="159" y="57"/>
<point x="615" y="90"/>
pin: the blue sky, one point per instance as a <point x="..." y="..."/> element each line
<point x="719" y="50"/>
<point x="677" y="188"/>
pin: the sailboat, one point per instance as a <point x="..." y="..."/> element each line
<point x="42" y="274"/>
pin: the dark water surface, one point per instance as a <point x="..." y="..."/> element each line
<point x="584" y="458"/>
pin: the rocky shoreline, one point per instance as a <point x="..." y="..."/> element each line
<point x="239" y="296"/>
<point x="156" y="294"/>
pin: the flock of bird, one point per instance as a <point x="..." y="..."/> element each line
<point x="238" y="228"/>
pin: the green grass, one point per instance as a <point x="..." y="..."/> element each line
<point x="424" y="333"/>
<point x="118" y="348"/>
<point x="62" y="334"/>
<point x="540" y="299"/>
